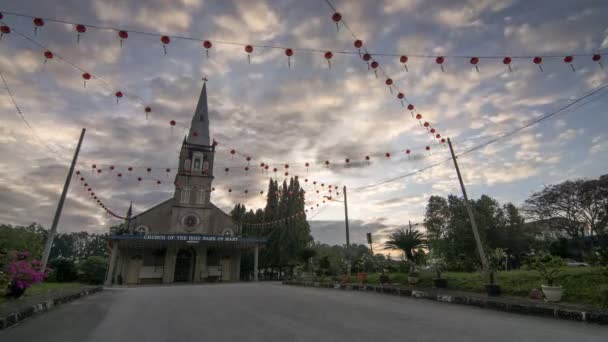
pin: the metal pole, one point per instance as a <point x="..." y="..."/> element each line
<point x="53" y="231"/>
<point x="482" y="255"/>
<point x="347" y="234"/>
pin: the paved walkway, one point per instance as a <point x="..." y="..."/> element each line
<point x="274" y="312"/>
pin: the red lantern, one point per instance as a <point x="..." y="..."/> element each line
<point x="438" y="136"/>
<point x="139" y="179"/>
<point x="410" y="107"/>
<point x="374" y="65"/>
<point x="337" y="17"/>
<point x="507" y="61"/>
<point x="328" y="56"/>
<point x="403" y="60"/>
<point x="266" y="167"/>
<point x="418" y="116"/>
<point x="77" y="172"/>
<point x="347" y="160"/>
<point x="4" y="30"/>
<point x="426" y="124"/>
<point x="288" y="53"/>
<point x="122" y="35"/>
<point x="246" y="168"/>
<point x="168" y="170"/>
<point x="569" y="60"/>
<point x="119" y="175"/>
<point x="389" y="82"/>
<point x="439" y="60"/>
<point x="158" y="182"/>
<point x="433" y="130"/>
<point x="407" y="151"/>
<point x="130" y="169"/>
<point x="207" y="45"/>
<point x="428" y="148"/>
<point x="249" y="50"/>
<point x="86" y="76"/>
<point x="48" y="55"/>
<point x="442" y="141"/>
<point x="327" y="163"/>
<point x="147" y="110"/>
<point x="111" y="167"/>
<point x="388" y="155"/>
<point x="38" y="22"/>
<point x="94" y="166"/>
<point x="286" y="174"/>
<point x="538" y="61"/>
<point x="474" y="61"/>
<point x="597" y="58"/>
<point x="367" y="57"/>
<point x="195" y="134"/>
<point x="287" y="166"/>
<point x="80" y="29"/>
<point x="165" y="40"/>
<point x="172" y="122"/>
<point x="118" y="95"/>
<point x="275" y="170"/>
<point x="358" y="43"/>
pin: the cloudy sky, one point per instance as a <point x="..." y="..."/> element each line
<point x="306" y="113"/>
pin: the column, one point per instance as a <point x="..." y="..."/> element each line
<point x="108" y="281"/>
<point x="169" y="268"/>
<point x="255" y="262"/>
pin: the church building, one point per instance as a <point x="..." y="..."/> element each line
<point x="185" y="238"/>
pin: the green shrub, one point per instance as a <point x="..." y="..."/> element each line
<point x="92" y="270"/>
<point x="63" y="271"/>
<point x="547" y="265"/>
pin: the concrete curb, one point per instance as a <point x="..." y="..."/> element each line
<point x="28" y="311"/>
<point x="494" y="303"/>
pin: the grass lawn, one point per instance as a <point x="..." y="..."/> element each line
<point x="46" y="287"/>
<point x="583" y="285"/>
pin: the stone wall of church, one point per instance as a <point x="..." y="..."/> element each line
<point x="156" y="220"/>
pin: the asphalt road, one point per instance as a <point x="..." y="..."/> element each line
<point x="274" y="312"/>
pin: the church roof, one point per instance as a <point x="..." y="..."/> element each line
<point x="199" y="128"/>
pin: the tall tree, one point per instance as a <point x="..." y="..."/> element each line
<point x="407" y="240"/>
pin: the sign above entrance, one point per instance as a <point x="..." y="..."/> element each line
<point x="189" y="238"/>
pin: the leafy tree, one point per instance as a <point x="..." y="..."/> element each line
<point x="93" y="270"/>
<point x="407" y="240"/>
<point x="23" y="238"/>
<point x="63" y="270"/>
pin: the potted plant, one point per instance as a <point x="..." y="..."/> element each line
<point x="494" y="260"/>
<point x="438" y="266"/>
<point x="549" y="267"/>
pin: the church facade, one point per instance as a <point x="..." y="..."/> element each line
<point x="185" y="238"/>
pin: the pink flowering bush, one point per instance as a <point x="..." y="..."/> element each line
<point x="23" y="272"/>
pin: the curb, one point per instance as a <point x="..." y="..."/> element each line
<point x="534" y="309"/>
<point x="34" y="309"/>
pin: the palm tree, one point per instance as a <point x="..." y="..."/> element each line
<point x="406" y="240"/>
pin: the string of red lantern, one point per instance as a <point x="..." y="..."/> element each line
<point x="96" y="198"/>
<point x="86" y="75"/>
<point x="403" y="57"/>
<point x="388" y="80"/>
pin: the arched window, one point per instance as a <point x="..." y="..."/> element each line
<point x="198" y="161"/>
<point x="187" y="164"/>
<point x="185" y="198"/>
<point x="200" y="196"/>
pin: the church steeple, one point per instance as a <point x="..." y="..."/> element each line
<point x="199" y="128"/>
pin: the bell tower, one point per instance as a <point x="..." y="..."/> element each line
<point x="192" y="198"/>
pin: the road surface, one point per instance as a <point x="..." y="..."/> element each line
<point x="273" y="312"/>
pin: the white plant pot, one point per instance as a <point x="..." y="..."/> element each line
<point x="552" y="293"/>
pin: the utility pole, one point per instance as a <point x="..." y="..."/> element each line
<point x="53" y="231"/>
<point x="347" y="234"/>
<point x="482" y="255"/>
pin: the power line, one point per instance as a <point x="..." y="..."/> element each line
<point x="498" y="138"/>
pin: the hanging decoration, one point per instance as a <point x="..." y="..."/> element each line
<point x="538" y="61"/>
<point x="400" y="96"/>
<point x="328" y="57"/>
<point x="38" y="22"/>
<point x="207" y="45"/>
<point x="4" y="30"/>
<point x="288" y="53"/>
<point x="118" y="95"/>
<point x="358" y="45"/>
<point x="86" y="76"/>
<point x="80" y="29"/>
<point x="569" y="60"/>
<point x="123" y="35"/>
<point x="507" y="61"/>
<point x="47" y="56"/>
<point x="147" y="110"/>
<point x="440" y="60"/>
<point x="597" y="58"/>
<point x="389" y="83"/>
<point x="367" y="57"/>
<point x="374" y="65"/>
<point x="475" y="61"/>
<point x="337" y="17"/>
<point x="165" y="40"/>
<point x="403" y="59"/>
<point x="249" y="50"/>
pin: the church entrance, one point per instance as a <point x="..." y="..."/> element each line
<point x="184" y="265"/>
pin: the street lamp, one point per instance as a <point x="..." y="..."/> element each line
<point x="329" y="198"/>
